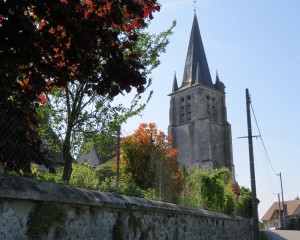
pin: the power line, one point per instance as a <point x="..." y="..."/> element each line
<point x="265" y="169"/>
<point x="286" y="191"/>
<point x="262" y="140"/>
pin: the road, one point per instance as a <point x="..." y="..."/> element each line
<point x="282" y="234"/>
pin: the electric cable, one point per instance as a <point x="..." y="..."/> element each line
<point x="266" y="170"/>
<point x="262" y="140"/>
<point x="287" y="192"/>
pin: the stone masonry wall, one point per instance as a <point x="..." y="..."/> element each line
<point x="31" y="209"/>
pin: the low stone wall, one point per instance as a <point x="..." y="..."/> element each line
<point x="32" y="209"/>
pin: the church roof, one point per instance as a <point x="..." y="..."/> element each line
<point x="196" y="67"/>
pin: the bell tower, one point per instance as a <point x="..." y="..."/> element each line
<point x="198" y="119"/>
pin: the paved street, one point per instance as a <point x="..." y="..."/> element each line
<point x="282" y="235"/>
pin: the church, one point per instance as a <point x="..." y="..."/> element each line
<point x="198" y="120"/>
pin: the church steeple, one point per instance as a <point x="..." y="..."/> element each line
<point x="196" y="56"/>
<point x="175" y="85"/>
<point x="198" y="116"/>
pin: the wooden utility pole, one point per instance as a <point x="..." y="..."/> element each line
<point x="283" y="214"/>
<point x="280" y="221"/>
<point x="252" y="171"/>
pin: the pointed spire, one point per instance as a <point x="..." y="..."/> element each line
<point x="197" y="80"/>
<point x="217" y="77"/>
<point x="196" y="54"/>
<point x="218" y="84"/>
<point x="175" y="85"/>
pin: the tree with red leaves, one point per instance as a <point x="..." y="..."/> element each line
<point x="50" y="43"/>
<point x="46" y="44"/>
<point x="148" y="158"/>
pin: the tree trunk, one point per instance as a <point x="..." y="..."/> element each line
<point x="67" y="157"/>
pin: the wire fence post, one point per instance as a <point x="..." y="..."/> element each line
<point x="118" y="157"/>
<point x="160" y="178"/>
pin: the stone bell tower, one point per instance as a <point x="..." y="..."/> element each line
<point x="198" y="119"/>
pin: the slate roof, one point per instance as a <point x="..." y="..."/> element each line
<point x="290" y="208"/>
<point x="56" y="158"/>
<point x="92" y="156"/>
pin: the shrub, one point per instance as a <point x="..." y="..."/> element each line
<point x="84" y="176"/>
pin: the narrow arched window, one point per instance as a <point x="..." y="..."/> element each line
<point x="182" y="110"/>
<point x="188" y="108"/>
<point x="214" y="110"/>
<point x="208" y="107"/>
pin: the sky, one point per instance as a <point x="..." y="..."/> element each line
<point x="253" y="44"/>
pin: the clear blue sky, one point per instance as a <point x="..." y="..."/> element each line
<point x="253" y="44"/>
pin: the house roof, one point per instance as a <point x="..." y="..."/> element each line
<point x="93" y="157"/>
<point x="290" y="208"/>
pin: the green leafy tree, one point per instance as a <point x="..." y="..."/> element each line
<point x="231" y="190"/>
<point x="71" y="121"/>
<point x="245" y="203"/>
<point x="81" y="118"/>
<point x="192" y="195"/>
<point x="211" y="191"/>
<point x="84" y="176"/>
<point x="107" y="175"/>
<point x="230" y="202"/>
<point x="106" y="170"/>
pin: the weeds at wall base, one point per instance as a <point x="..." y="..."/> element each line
<point x="43" y="217"/>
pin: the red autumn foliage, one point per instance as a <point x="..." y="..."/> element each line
<point x="42" y="98"/>
<point x="44" y="44"/>
<point x="235" y="188"/>
<point x="148" y="157"/>
<point x="56" y="42"/>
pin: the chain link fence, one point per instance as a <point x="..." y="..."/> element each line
<point x="24" y="152"/>
<point x="154" y="176"/>
<point x="20" y="144"/>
